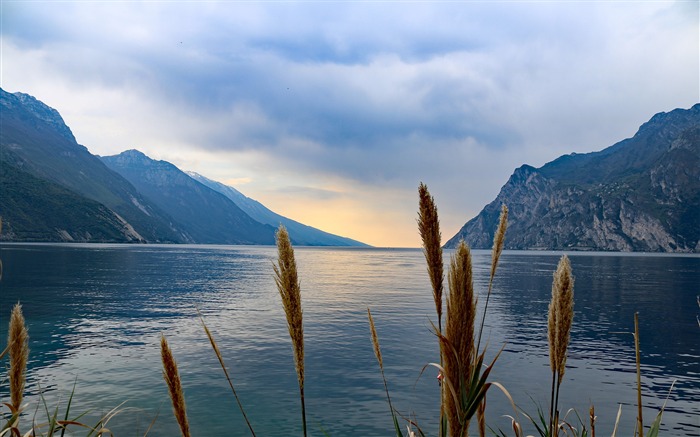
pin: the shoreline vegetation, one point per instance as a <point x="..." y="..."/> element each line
<point x="462" y="371"/>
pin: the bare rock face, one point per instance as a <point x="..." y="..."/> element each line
<point x="641" y="194"/>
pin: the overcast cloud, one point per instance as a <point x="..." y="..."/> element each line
<point x="334" y="112"/>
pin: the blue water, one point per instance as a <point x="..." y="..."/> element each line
<point x="96" y="312"/>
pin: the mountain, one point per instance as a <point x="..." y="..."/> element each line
<point x="38" y="147"/>
<point x="300" y="234"/>
<point x="207" y="215"/>
<point x="35" y="209"/>
<point x="641" y="194"/>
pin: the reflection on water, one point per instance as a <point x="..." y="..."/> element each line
<point x="95" y="313"/>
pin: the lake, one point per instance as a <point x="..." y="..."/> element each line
<point x="96" y="312"/>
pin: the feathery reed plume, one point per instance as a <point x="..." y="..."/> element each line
<point x="18" y="347"/>
<point x="172" y="378"/>
<point x="459" y="351"/>
<point x="223" y="366"/>
<point x="378" y="354"/>
<point x="429" y="228"/>
<point x="498" y="240"/>
<point x="375" y="342"/>
<point x="560" y="318"/>
<point x="287" y="282"/>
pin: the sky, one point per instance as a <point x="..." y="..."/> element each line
<point x="332" y="113"/>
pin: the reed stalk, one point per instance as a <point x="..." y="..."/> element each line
<point x="498" y="243"/>
<point x="378" y="354"/>
<point x="459" y="335"/>
<point x="18" y="349"/>
<point x="223" y="366"/>
<point x="560" y="319"/>
<point x="429" y="229"/>
<point x="172" y="379"/>
<point x="287" y="281"/>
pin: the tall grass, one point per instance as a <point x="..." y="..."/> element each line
<point x="559" y="321"/>
<point x="378" y="355"/>
<point x="172" y="379"/>
<point x="459" y="348"/>
<point x="18" y="348"/>
<point x="287" y="281"/>
<point x="464" y="375"/>
<point x="429" y="229"/>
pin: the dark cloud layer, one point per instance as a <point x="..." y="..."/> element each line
<point x="374" y="93"/>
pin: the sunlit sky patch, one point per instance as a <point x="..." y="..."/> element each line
<point x="331" y="113"/>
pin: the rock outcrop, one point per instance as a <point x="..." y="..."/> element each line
<point x="641" y="194"/>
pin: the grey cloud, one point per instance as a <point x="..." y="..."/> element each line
<point x="385" y="93"/>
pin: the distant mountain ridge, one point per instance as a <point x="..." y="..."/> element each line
<point x="208" y="216"/>
<point x="54" y="189"/>
<point x="641" y="194"/>
<point x="300" y="234"/>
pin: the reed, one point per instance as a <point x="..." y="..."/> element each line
<point x="223" y="367"/>
<point x="499" y="239"/>
<point x="429" y="228"/>
<point x="172" y="379"/>
<point x="18" y="349"/>
<point x="378" y="355"/>
<point x="459" y="354"/>
<point x="559" y="321"/>
<point x="287" y="282"/>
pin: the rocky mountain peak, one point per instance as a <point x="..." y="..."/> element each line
<point x="136" y="159"/>
<point x="41" y="111"/>
<point x="640" y="194"/>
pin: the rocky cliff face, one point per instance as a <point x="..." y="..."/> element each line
<point x="641" y="194"/>
<point x="45" y="113"/>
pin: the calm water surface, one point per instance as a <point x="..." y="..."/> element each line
<point x="96" y="313"/>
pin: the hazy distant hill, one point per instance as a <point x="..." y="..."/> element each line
<point x="40" y="152"/>
<point x="641" y="194"/>
<point x="207" y="215"/>
<point x="300" y="234"/>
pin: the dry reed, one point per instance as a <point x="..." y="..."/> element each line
<point x="223" y="366"/>
<point x="560" y="318"/>
<point x="18" y="347"/>
<point x="375" y="341"/>
<point x="499" y="239"/>
<point x="172" y="378"/>
<point x="287" y="282"/>
<point x="498" y="243"/>
<point x="458" y="350"/>
<point x="378" y="354"/>
<point x="429" y="228"/>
